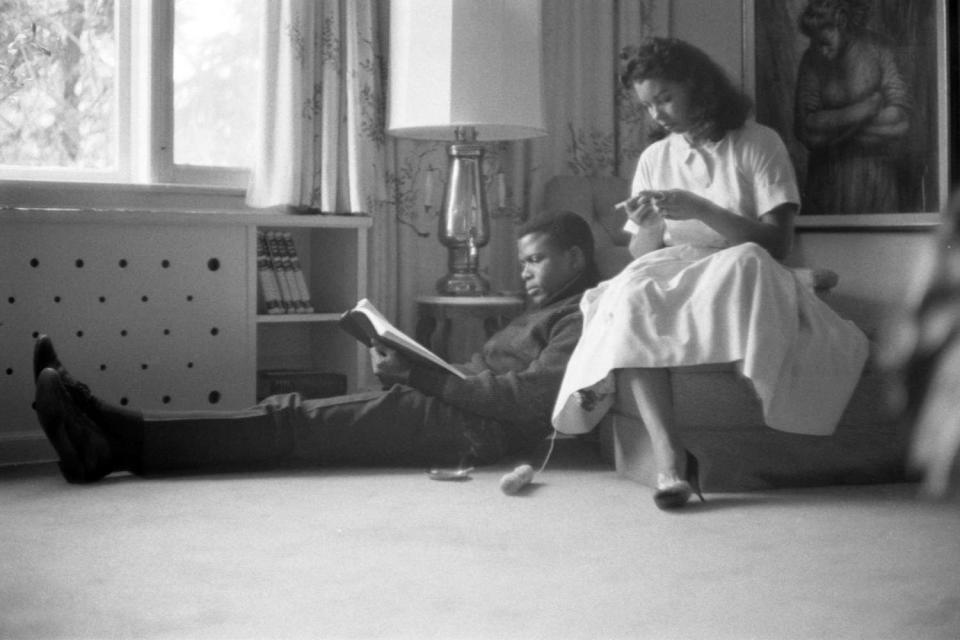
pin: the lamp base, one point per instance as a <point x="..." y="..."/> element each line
<point x="463" y="283"/>
<point x="463" y="272"/>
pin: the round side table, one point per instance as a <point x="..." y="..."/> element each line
<point x="436" y="316"/>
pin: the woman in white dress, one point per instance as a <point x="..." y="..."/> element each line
<point x="712" y="213"/>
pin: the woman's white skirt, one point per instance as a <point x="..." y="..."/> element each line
<point x="686" y="305"/>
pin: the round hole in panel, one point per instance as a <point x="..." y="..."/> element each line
<point x="102" y="299"/>
<point x="189" y="365"/>
<point x="123" y="333"/>
<point x="9" y="371"/>
<point x="166" y="332"/>
<point x="165" y="264"/>
<point x="34" y="263"/>
<point x="56" y="299"/>
<point x="80" y="334"/>
<point x="124" y="401"/>
<point x="35" y="334"/>
<point x="214" y="397"/>
<point x="79" y="263"/>
<point x="213" y="264"/>
<point x="11" y="299"/>
<point x="103" y="367"/>
<point x="123" y="263"/>
<point x="166" y="399"/>
<point x="214" y="331"/>
<point x="144" y="298"/>
<point x="144" y="366"/>
<point x="189" y="298"/>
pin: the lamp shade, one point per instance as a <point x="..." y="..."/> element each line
<point x="466" y="63"/>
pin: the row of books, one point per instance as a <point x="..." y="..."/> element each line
<point x="283" y="285"/>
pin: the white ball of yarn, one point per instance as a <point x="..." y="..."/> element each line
<point x="517" y="479"/>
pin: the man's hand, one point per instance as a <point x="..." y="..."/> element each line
<point x="388" y="365"/>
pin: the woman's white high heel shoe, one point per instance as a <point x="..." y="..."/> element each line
<point x="673" y="492"/>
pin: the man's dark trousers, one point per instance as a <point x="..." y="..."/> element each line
<point x="397" y="427"/>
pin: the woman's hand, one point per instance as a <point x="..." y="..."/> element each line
<point x="773" y="230"/>
<point x="644" y="224"/>
<point x="679" y="204"/>
<point x="640" y="208"/>
<point x="388" y="365"/>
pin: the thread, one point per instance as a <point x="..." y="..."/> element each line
<point x="511" y="483"/>
<point x="546" y="458"/>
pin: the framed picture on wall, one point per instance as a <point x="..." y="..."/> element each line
<point x="858" y="90"/>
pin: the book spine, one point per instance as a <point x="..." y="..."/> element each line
<point x="299" y="304"/>
<point x="299" y="279"/>
<point x="287" y="297"/>
<point x="269" y="288"/>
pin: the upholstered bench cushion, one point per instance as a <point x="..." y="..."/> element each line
<point x="720" y="421"/>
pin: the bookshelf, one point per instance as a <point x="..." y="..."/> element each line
<point x="332" y="252"/>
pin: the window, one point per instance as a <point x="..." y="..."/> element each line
<point x="128" y="91"/>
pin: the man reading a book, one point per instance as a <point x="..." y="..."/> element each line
<point x="425" y="416"/>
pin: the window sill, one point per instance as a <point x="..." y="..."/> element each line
<point x="27" y="194"/>
<point x="27" y="201"/>
<point x="182" y="217"/>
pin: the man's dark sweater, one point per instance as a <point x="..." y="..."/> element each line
<point x="516" y="376"/>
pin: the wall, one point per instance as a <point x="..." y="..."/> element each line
<point x="876" y="271"/>
<point x="715" y="26"/>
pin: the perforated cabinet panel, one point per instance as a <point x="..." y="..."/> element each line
<point x="152" y="316"/>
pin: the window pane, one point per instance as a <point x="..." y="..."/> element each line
<point x="58" y="84"/>
<point x="215" y="71"/>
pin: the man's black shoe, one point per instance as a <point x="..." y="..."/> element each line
<point x="83" y="449"/>
<point x="45" y="357"/>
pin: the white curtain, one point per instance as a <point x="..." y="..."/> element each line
<point x="595" y="126"/>
<point x="321" y="146"/>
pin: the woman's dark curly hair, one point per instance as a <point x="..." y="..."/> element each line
<point x="721" y="104"/>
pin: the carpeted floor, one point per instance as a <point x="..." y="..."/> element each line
<point x="393" y="554"/>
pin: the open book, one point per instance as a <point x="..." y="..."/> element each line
<point x="365" y="323"/>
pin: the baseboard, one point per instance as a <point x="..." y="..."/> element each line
<point x="25" y="447"/>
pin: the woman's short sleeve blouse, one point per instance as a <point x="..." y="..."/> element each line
<point x="747" y="172"/>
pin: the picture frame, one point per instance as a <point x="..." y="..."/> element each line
<point x="906" y="183"/>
